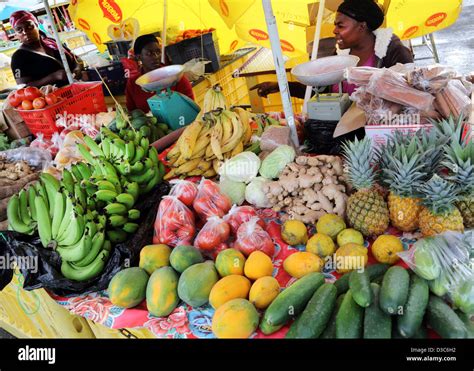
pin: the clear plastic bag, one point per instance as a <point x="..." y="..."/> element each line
<point x="36" y="157"/>
<point x="444" y="260"/>
<point x="239" y="215"/>
<point x="213" y="236"/>
<point x="184" y="190"/>
<point x="359" y="76"/>
<point x="195" y="68"/>
<point x="174" y="223"/>
<point x="210" y="201"/>
<point x="252" y="237"/>
<point x="431" y="79"/>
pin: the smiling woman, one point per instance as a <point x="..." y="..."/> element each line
<point x="37" y="61"/>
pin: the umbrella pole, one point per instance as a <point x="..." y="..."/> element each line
<point x="163" y="33"/>
<point x="280" y="68"/>
<point x="314" y="53"/>
<point x="58" y="41"/>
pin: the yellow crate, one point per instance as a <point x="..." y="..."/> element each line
<point x="103" y="332"/>
<point x="7" y="79"/>
<point x="34" y="314"/>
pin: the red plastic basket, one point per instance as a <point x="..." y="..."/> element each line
<point x="78" y="98"/>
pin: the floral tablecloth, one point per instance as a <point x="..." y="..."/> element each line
<point x="189" y="322"/>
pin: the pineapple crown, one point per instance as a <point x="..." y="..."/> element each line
<point x="459" y="159"/>
<point x="439" y="195"/>
<point x="431" y="145"/>
<point x="359" y="163"/>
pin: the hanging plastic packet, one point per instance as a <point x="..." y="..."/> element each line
<point x="174" y="223"/>
<point x="239" y="215"/>
<point x="213" y="236"/>
<point x="252" y="237"/>
<point x="210" y="201"/>
<point x="184" y="190"/>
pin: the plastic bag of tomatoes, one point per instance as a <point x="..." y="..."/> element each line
<point x="184" y="190"/>
<point x="252" y="237"/>
<point x="210" y="201"/>
<point x="174" y="223"/>
<point x="239" y="215"/>
<point x="213" y="237"/>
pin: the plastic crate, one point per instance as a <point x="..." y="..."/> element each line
<point x="33" y="314"/>
<point x="205" y="46"/>
<point x="113" y="75"/>
<point x="103" y="332"/>
<point x="77" y="98"/>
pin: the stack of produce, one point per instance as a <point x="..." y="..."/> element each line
<point x="189" y="34"/>
<point x="205" y="143"/>
<point x="31" y="98"/>
<point x="92" y="208"/>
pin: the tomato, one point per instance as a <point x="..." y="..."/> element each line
<point x="20" y="93"/>
<point x="51" y="99"/>
<point x="241" y="214"/>
<point x="39" y="103"/>
<point x="31" y="93"/>
<point x="251" y="237"/>
<point x="26" y="105"/>
<point x="210" y="201"/>
<point x="185" y="191"/>
<point x="214" y="232"/>
<point x="14" y="100"/>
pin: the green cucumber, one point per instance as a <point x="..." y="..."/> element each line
<point x="330" y="330"/>
<point x="377" y="324"/>
<point x="349" y="319"/>
<point x="291" y="301"/>
<point x="414" y="311"/>
<point x="359" y="283"/>
<point x="444" y="320"/>
<point x="394" y="290"/>
<point x="374" y="271"/>
<point x="268" y="329"/>
<point x="317" y="313"/>
<point x="291" y="334"/>
<point x="421" y="333"/>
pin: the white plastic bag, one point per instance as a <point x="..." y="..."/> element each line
<point x="195" y="68"/>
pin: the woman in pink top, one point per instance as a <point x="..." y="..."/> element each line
<point x="357" y="31"/>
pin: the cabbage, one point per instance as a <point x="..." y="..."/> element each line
<point x="241" y="168"/>
<point x="234" y="190"/>
<point x="276" y="161"/>
<point x="254" y="193"/>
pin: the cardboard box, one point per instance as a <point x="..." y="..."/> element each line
<point x="15" y="127"/>
<point x="18" y="131"/>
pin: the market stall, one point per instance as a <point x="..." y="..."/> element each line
<point x="207" y="220"/>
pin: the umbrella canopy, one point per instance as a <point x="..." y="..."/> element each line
<point x="96" y="17"/>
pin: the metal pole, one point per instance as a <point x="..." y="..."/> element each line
<point x="58" y="41"/>
<point x="280" y="68"/>
<point x="163" y="33"/>
<point x="314" y="54"/>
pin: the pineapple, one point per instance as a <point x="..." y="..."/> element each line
<point x="439" y="213"/>
<point x="366" y="209"/>
<point x="459" y="159"/>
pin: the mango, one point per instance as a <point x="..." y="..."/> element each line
<point x="127" y="288"/>
<point x="258" y="265"/>
<point x="331" y="225"/>
<point x="236" y="319"/>
<point x="196" y="282"/>
<point x="153" y="257"/>
<point x="300" y="264"/>
<point x="162" y="292"/>
<point x="230" y="261"/>
<point x="294" y="232"/>
<point x="228" y="288"/>
<point x="321" y="245"/>
<point x="264" y="291"/>
<point x="182" y="257"/>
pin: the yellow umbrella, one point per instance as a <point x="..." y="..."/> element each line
<point x="100" y="19"/>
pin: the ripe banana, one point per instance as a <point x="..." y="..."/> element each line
<point x="244" y="117"/>
<point x="87" y="272"/>
<point x="204" y="165"/>
<point x="209" y="173"/>
<point x="214" y="99"/>
<point x="195" y="172"/>
<point x="44" y="221"/>
<point x="189" y="138"/>
<point x="216" y="137"/>
<point x="216" y="164"/>
<point x="188" y="166"/>
<point x="237" y="132"/>
<point x="238" y="149"/>
<point x="14" y="221"/>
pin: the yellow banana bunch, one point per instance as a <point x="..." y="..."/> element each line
<point x="214" y="99"/>
<point x="245" y="118"/>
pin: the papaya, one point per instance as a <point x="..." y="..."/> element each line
<point x="127" y="288"/>
<point x="153" y="257"/>
<point x="235" y="319"/>
<point x="228" y="288"/>
<point x="196" y="282"/>
<point x="162" y="292"/>
<point x="301" y="263"/>
<point x="264" y="291"/>
<point x="230" y="261"/>
<point x="183" y="256"/>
